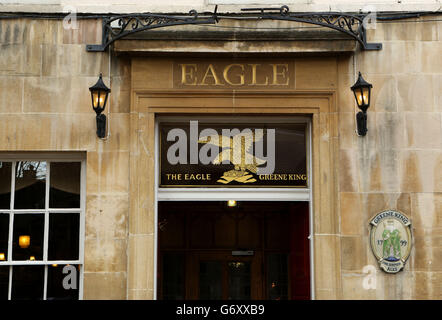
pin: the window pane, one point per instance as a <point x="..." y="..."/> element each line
<point x="30" y="185"/>
<point x="27" y="282"/>
<point x="65" y="185"/>
<point x="63" y="286"/>
<point x="64" y="231"/>
<point x="5" y="185"/>
<point x="28" y="237"/>
<point x="4" y="234"/>
<point x="4" y="282"/>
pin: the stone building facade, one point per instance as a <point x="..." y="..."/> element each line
<point x="45" y="111"/>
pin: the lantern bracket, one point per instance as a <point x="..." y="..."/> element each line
<point x="119" y="26"/>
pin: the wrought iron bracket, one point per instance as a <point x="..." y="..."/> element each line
<point x="121" y="26"/>
<point x="118" y="27"/>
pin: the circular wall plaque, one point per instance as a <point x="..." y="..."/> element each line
<point x="390" y="239"/>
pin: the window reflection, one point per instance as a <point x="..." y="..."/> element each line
<point x="4" y="282"/>
<point x="64" y="231"/>
<point x="56" y="280"/>
<point x="5" y="185"/>
<point x="32" y="226"/>
<point x="4" y="234"/>
<point x="27" y="282"/>
<point x="65" y="185"/>
<point x="30" y="185"/>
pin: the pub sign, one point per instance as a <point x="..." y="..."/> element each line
<point x="195" y="154"/>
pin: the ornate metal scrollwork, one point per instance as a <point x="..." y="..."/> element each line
<point x="350" y="24"/>
<point x="118" y="27"/>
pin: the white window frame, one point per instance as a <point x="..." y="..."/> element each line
<point x="46" y="157"/>
<point x="239" y="194"/>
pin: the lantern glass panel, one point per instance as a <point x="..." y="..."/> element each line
<point x="102" y="99"/>
<point x="366" y="95"/>
<point x="95" y="99"/>
<point x="358" y="95"/>
<point x="99" y="99"/>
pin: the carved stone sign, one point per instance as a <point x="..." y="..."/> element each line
<point x="233" y="74"/>
<point x="390" y="238"/>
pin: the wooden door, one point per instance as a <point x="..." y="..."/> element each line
<point x="222" y="276"/>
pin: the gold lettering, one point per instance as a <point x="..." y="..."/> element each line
<point x="235" y="74"/>
<point x="241" y="75"/>
<point x="254" y="80"/>
<point x="212" y="74"/>
<point x="197" y="176"/>
<point x="173" y="176"/>
<point x="280" y="73"/>
<point x="188" y="74"/>
<point x="296" y="176"/>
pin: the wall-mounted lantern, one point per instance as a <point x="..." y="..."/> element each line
<point x="99" y="94"/>
<point x="362" y="91"/>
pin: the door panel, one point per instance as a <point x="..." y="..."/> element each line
<point x="210" y="280"/>
<point x="226" y="277"/>
<point x="240" y="280"/>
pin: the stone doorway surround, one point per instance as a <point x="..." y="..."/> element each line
<point x="155" y="95"/>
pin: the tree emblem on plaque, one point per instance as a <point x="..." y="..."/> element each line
<point x="390" y="238"/>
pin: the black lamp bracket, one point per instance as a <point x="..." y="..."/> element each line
<point x="361" y="122"/>
<point x="120" y="26"/>
<point x="101" y="125"/>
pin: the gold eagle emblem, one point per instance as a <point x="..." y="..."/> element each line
<point x="237" y="150"/>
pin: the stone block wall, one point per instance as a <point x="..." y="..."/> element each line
<point x="45" y="105"/>
<point x="398" y="165"/>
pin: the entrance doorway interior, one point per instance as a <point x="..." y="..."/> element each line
<point x="253" y="250"/>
